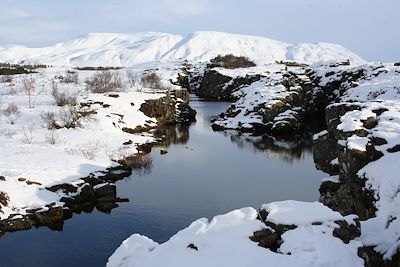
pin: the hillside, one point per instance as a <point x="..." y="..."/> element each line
<point x="112" y="49"/>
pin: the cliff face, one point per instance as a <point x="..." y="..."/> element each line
<point x="360" y="147"/>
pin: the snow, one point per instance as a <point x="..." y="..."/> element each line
<point x="224" y="241"/>
<point x="383" y="231"/>
<point x="357" y="143"/>
<point x="352" y="120"/>
<point x="77" y="152"/>
<point x="292" y="212"/>
<point x="381" y="176"/>
<point x="113" y="49"/>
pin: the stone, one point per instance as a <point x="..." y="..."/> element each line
<point x="347" y="232"/>
<point x="87" y="194"/>
<point x="51" y="216"/>
<point x="107" y="190"/>
<point x="265" y="238"/>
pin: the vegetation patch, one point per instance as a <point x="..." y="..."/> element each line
<point x="232" y="62"/>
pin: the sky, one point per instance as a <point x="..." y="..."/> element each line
<point x="370" y="28"/>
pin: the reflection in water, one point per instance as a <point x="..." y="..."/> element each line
<point x="289" y="150"/>
<point x="141" y="164"/>
<point x="201" y="176"/>
<point x="173" y="134"/>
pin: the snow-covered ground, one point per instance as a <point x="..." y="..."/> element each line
<point x="373" y="88"/>
<point x="111" y="49"/>
<point x="224" y="241"/>
<point x="47" y="157"/>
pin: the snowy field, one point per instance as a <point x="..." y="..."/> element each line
<point x="42" y="145"/>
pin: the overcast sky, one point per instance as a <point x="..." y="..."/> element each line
<point x="371" y="28"/>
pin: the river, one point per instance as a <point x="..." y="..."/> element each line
<point x="204" y="174"/>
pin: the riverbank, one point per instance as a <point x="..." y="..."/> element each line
<point x="59" y="158"/>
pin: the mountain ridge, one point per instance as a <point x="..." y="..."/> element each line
<point x="121" y="49"/>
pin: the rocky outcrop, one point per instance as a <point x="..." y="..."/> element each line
<point x="95" y="191"/>
<point x="170" y="109"/>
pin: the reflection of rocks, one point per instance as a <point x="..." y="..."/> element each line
<point x="174" y="134"/>
<point x="287" y="149"/>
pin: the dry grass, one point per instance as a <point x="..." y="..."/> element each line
<point x="104" y="82"/>
<point x="12" y="113"/>
<point x="63" y="98"/>
<point x="141" y="164"/>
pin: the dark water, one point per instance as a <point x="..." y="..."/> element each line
<point x="204" y="174"/>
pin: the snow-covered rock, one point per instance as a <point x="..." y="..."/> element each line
<point x="43" y="162"/>
<point x="225" y="241"/>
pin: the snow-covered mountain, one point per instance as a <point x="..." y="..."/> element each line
<point x="112" y="49"/>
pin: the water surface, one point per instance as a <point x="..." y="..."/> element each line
<point x="204" y="174"/>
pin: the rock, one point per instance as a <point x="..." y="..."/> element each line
<point x="347" y="232"/>
<point x="212" y="84"/>
<point x="394" y="149"/>
<point x="106" y="190"/>
<point x="66" y="188"/>
<point x="328" y="186"/>
<point x="12" y="225"/>
<point x="114" y="174"/>
<point x="324" y="152"/>
<point x="93" y="181"/>
<point x="265" y="238"/>
<point x="86" y="194"/>
<point x="374" y="259"/>
<point x="163" y="151"/>
<point x="51" y="216"/>
<point x="191" y="246"/>
<point x="185" y="113"/>
<point x="129" y="142"/>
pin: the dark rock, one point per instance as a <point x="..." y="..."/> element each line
<point x="12" y="225"/>
<point x="193" y="247"/>
<point x="129" y="142"/>
<point x="350" y="198"/>
<point x="87" y="194"/>
<point x="51" y="216"/>
<point x="377" y="141"/>
<point x="67" y="214"/>
<point x="328" y="186"/>
<point x="186" y="113"/>
<point x="107" y="190"/>
<point x="280" y="228"/>
<point x="265" y="238"/>
<point x="347" y="232"/>
<point x="394" y="149"/>
<point x="324" y="152"/>
<point x="374" y="259"/>
<point x="93" y="181"/>
<point x="66" y="188"/>
<point x="163" y="151"/>
<point x="212" y="86"/>
<point x="114" y="174"/>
